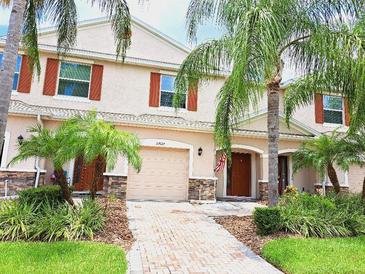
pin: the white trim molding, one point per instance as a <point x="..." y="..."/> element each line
<point x="287" y="150"/>
<point x="246" y="147"/>
<point x="164" y="143"/>
<point x="4" y="157"/>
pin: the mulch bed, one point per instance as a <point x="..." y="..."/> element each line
<point x="116" y="230"/>
<point x="244" y="229"/>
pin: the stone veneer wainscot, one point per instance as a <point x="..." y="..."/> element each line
<point x="18" y="181"/>
<point x="202" y="189"/>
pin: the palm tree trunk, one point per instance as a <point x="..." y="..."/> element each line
<point x="62" y="181"/>
<point x="9" y="61"/>
<point x="273" y="89"/>
<point x="333" y="178"/>
<point x="99" y="164"/>
<point x="363" y="190"/>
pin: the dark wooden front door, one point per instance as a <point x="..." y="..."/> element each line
<point x="283" y="174"/>
<point x="84" y="174"/>
<point x="239" y="175"/>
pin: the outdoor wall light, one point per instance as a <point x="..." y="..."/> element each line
<point x="20" y="139"/>
<point x="200" y="151"/>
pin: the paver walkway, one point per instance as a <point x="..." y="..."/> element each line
<point x="179" y="238"/>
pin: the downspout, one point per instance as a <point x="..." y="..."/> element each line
<point x="37" y="167"/>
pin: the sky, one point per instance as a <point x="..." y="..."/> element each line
<point x="168" y="16"/>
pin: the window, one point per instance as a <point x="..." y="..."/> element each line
<point x="74" y="80"/>
<point x="333" y="109"/>
<point x="167" y="92"/>
<point x="17" y="70"/>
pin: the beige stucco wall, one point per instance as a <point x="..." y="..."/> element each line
<point x="202" y="165"/>
<point x="125" y="90"/>
<point x="100" y="38"/>
<point x="356" y="177"/>
<point x="18" y="126"/>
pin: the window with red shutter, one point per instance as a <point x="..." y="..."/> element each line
<point x="193" y="99"/>
<point x="154" y="100"/>
<point x="318" y="102"/>
<point x="51" y="75"/>
<point x="96" y="82"/>
<point x="25" y="76"/>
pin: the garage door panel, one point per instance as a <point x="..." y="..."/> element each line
<point x="164" y="175"/>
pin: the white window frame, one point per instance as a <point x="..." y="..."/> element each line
<point x="68" y="97"/>
<point x="169" y="91"/>
<point x="336" y="110"/>
<point x="20" y="68"/>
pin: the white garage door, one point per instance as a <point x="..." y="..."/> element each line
<point x="164" y="176"/>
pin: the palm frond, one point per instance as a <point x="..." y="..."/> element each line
<point x="64" y="14"/>
<point x="30" y="35"/>
<point x="118" y="12"/>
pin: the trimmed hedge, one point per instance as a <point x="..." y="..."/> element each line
<point x="267" y="220"/>
<point x="37" y="196"/>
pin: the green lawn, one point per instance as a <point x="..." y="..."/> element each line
<point x="336" y="255"/>
<point x="61" y="257"/>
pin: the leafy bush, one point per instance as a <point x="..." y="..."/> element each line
<point x="16" y="220"/>
<point x="267" y="220"/>
<point x="46" y="222"/>
<point x="45" y="194"/>
<point x="319" y="216"/>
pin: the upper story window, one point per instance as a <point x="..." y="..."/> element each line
<point x="167" y="92"/>
<point x="333" y="109"/>
<point x="17" y="70"/>
<point x="74" y="79"/>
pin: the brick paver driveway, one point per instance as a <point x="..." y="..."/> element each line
<point x="179" y="238"/>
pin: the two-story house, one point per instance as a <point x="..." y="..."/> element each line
<point x="178" y="150"/>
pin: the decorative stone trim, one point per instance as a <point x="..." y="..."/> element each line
<point x="115" y="185"/>
<point x="17" y="181"/>
<point x="263" y="191"/>
<point x="202" y="189"/>
<point x="318" y="189"/>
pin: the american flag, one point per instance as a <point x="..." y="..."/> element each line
<point x="220" y="165"/>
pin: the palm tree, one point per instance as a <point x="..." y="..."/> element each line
<point x="101" y="142"/>
<point x="322" y="154"/>
<point x="261" y="37"/>
<point x="23" y="26"/>
<point x="56" y="146"/>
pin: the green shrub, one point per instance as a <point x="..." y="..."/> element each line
<point x="48" y="222"/>
<point x="45" y="194"/>
<point x="322" y="216"/>
<point x="267" y="220"/>
<point x="16" y="220"/>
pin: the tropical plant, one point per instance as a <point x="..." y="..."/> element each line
<point x="323" y="154"/>
<point x="56" y="146"/>
<point x="322" y="216"/>
<point x="23" y="26"/>
<point x="101" y="142"/>
<point x="262" y="37"/>
<point x="45" y="222"/>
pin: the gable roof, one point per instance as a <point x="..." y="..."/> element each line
<point x="135" y="20"/>
<point x="294" y="124"/>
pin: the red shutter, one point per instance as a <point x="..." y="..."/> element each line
<point x="96" y="82"/>
<point x="347" y="112"/>
<point x="25" y="77"/>
<point x="318" y="103"/>
<point x="193" y="99"/>
<point x="51" y="76"/>
<point x="155" y="90"/>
